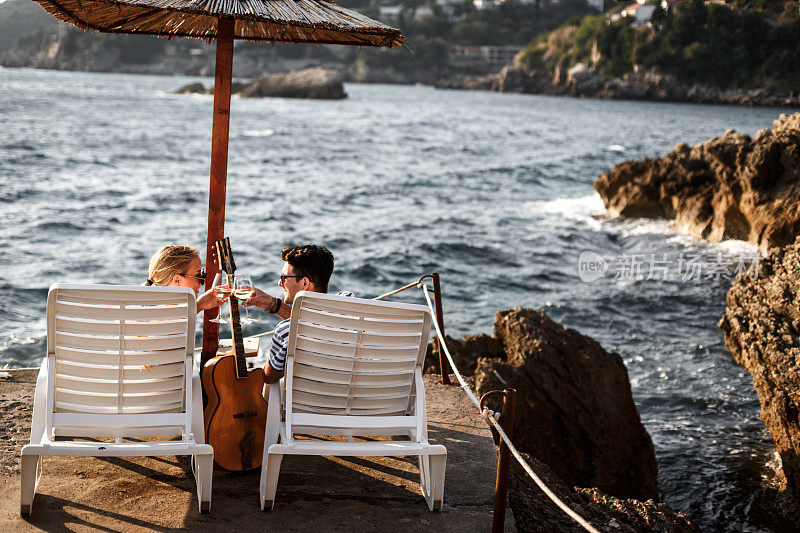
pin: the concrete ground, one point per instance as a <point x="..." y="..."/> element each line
<point x="314" y="493"/>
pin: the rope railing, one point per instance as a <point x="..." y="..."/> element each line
<point x="401" y="289"/>
<point x="489" y="415"/>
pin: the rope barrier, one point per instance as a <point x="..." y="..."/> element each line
<point x="490" y="417"/>
<point x="401" y="289"/>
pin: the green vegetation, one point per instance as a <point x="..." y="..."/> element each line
<point x="745" y="47"/>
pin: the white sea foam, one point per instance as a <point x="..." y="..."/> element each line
<point x="615" y="148"/>
<point x="677" y="236"/>
<point x="583" y="209"/>
<point x="580" y="207"/>
<point x="258" y="133"/>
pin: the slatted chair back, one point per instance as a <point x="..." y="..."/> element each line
<point x="351" y="365"/>
<point x="121" y="360"/>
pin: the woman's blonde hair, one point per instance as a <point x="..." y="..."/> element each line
<point x="170" y="260"/>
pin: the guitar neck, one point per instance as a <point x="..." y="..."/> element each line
<point x="226" y="263"/>
<point x="238" y="340"/>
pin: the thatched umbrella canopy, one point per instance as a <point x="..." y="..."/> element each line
<point x="275" y="21"/>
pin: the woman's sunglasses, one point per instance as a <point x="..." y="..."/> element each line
<point x="200" y="275"/>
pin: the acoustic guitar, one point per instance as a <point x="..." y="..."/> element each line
<point x="236" y="413"/>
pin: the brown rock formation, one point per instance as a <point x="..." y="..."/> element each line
<point x="575" y="411"/>
<point x="534" y="512"/>
<point x="192" y="88"/>
<point x="308" y="83"/>
<point x="729" y="187"/>
<point x="465" y="352"/>
<point x="762" y="332"/>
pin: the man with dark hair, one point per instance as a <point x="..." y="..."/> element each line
<point x="305" y="268"/>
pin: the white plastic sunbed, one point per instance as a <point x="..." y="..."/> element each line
<point x="119" y="366"/>
<point x="353" y="368"/>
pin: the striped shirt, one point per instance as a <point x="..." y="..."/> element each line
<point x="277" y="350"/>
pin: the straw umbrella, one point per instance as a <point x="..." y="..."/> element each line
<point x="274" y="21"/>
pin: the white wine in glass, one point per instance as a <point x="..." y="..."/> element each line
<point x="243" y="290"/>
<point x="221" y="291"/>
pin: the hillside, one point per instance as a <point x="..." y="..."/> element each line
<point x="737" y="46"/>
<point x="21" y="17"/>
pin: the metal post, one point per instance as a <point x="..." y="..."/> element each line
<point x="444" y="368"/>
<point x="503" y="462"/>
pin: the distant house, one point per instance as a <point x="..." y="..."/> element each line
<point x="499" y="56"/>
<point x="482" y="57"/>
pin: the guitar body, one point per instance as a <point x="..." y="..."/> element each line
<point x="236" y="414"/>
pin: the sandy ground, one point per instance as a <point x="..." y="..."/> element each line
<point x="324" y="493"/>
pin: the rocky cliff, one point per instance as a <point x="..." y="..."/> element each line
<point x="762" y="332"/>
<point x="576" y="415"/>
<point x="575" y="411"/>
<point x="729" y="187"/>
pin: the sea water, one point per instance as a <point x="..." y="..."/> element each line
<point x="493" y="191"/>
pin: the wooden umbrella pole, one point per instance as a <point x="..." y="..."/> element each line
<point x="219" y="171"/>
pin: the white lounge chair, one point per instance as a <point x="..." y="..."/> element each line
<point x="353" y="368"/>
<point x="119" y="365"/>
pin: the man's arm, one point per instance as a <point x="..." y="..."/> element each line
<point x="265" y="301"/>
<point x="271" y="375"/>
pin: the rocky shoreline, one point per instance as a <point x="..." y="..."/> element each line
<point x="729" y="187"/>
<point x="570" y="391"/>
<point x="580" y="82"/>
<point x="737" y="187"/>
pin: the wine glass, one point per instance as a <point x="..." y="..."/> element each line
<point x="243" y="290"/>
<point x="222" y="290"/>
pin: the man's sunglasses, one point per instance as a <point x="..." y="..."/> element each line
<point x="285" y="277"/>
<point x="201" y="275"/>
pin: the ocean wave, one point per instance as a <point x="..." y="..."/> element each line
<point x="258" y="133"/>
<point x="59" y="225"/>
<point x="584" y="209"/>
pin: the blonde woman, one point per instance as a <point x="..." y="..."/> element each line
<point x="180" y="266"/>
